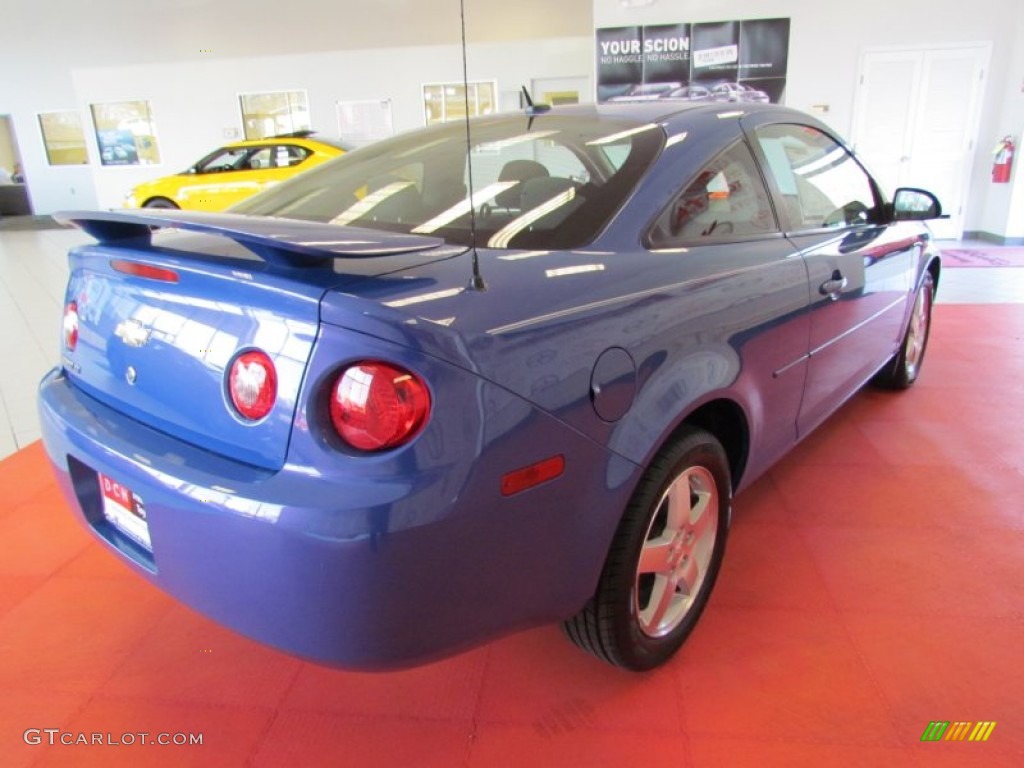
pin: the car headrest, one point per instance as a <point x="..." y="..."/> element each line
<point x="518" y="170"/>
<point x="538" y="191"/>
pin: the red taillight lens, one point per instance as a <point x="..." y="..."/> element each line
<point x="375" y="406"/>
<point x="71" y="326"/>
<point x="145" y="270"/>
<point x="252" y="384"/>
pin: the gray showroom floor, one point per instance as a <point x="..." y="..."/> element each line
<point x="33" y="270"/>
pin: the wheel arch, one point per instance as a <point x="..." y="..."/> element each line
<point x="934" y="267"/>
<point x="721" y="416"/>
<point x="726" y="420"/>
<point x="159" y="198"/>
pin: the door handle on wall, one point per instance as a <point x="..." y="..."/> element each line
<point x="834" y="286"/>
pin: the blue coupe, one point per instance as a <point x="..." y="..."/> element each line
<point x="476" y="378"/>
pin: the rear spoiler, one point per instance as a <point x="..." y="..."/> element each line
<point x="278" y="241"/>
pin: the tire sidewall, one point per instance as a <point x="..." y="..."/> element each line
<point x="160" y="203"/>
<point x="642" y="651"/>
<point x="926" y="291"/>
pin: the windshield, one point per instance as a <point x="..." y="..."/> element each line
<point x="550" y="182"/>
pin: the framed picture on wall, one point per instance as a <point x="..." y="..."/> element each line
<point x="63" y="137"/>
<point x="125" y="133"/>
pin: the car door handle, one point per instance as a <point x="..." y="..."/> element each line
<point x="834" y="286"/>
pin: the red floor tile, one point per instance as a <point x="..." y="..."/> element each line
<point x="186" y="658"/>
<point x="310" y="740"/>
<point x="509" y="746"/>
<point x="37" y="536"/>
<point x="793" y="753"/>
<point x="562" y="683"/>
<point x="446" y="690"/>
<point x="763" y="564"/>
<point x="17" y="588"/>
<point x="70" y="635"/>
<point x="962" y="572"/>
<point x="25" y="712"/>
<point x="774" y="674"/>
<point x="22" y="476"/>
<point x="838" y="442"/>
<point x="945" y="667"/>
<point x="946" y="444"/>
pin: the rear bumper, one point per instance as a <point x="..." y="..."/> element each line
<point x="362" y="570"/>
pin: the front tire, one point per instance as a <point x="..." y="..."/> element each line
<point x="160" y="202"/>
<point x="902" y="371"/>
<point x="664" y="558"/>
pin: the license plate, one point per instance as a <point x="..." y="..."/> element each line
<point x="125" y="511"/>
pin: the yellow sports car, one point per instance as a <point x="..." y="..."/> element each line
<point x="234" y="172"/>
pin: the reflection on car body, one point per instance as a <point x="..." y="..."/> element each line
<point x="391" y="408"/>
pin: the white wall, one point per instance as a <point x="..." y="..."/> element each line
<point x="826" y="39"/>
<point x="1010" y="120"/>
<point x="193" y="102"/>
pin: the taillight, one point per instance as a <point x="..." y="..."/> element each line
<point x="144" y="270"/>
<point x="252" y="384"/>
<point x="376" y="406"/>
<point x="71" y="326"/>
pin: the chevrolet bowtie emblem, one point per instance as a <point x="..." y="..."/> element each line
<point x="132" y="332"/>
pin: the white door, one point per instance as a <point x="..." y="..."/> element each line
<point x="915" y="121"/>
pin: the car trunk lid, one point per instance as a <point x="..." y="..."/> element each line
<point x="161" y="320"/>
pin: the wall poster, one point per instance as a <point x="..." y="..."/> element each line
<point x="125" y="133"/>
<point x="727" y="61"/>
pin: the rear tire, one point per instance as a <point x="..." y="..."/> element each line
<point x="160" y="202"/>
<point x="902" y="371"/>
<point x="664" y="558"/>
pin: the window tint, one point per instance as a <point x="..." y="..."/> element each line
<point x="495" y="162"/>
<point x="821" y="184"/>
<point x="552" y="181"/>
<point x="727" y="199"/>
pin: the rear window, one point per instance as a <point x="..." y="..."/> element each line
<point x="549" y="182"/>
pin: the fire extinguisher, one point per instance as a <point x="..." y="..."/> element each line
<point x="1003" y="160"/>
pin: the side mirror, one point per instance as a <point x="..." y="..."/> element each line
<point x="911" y="204"/>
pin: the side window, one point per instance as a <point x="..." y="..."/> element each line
<point x="261" y="158"/>
<point x="224" y="160"/>
<point x="727" y="199"/>
<point x="286" y="155"/>
<point x="821" y="184"/>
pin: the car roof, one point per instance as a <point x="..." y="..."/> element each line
<point x="678" y="113"/>
<point x="284" y="139"/>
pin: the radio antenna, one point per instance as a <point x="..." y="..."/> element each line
<point x="476" y="282"/>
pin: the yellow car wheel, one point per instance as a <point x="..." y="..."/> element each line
<point x="159" y="202"/>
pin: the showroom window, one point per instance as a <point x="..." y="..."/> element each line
<point x="63" y="138"/>
<point x="125" y="133"/>
<point x="274" y="114"/>
<point x="820" y="182"/>
<point x="727" y="199"/>
<point x="443" y="102"/>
